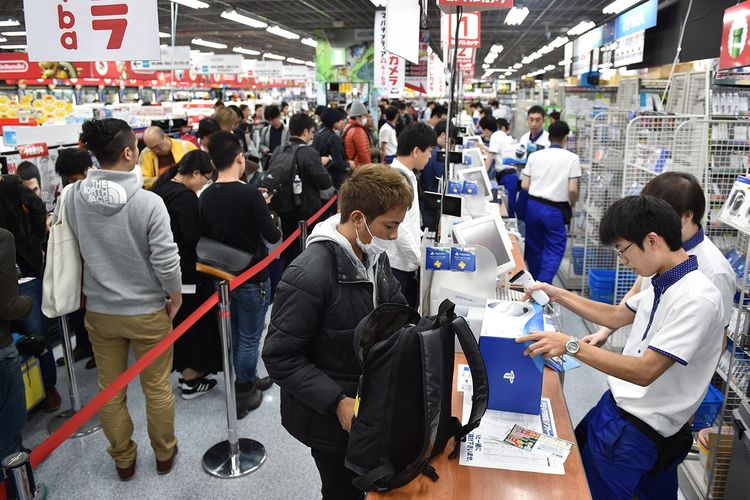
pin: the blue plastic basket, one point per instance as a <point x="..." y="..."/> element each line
<point x="706" y="414"/>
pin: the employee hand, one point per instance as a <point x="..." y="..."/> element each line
<point x="599" y="338"/>
<point x="325" y="160"/>
<point x="352" y="165"/>
<point x="552" y="291"/>
<point x="345" y="412"/>
<point x="547" y="344"/>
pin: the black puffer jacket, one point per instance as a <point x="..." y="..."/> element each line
<point x="309" y="350"/>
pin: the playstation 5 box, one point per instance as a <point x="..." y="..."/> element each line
<point x="515" y="380"/>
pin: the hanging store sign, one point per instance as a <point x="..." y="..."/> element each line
<point x="205" y="64"/>
<point x="469" y="30"/>
<point x="36" y="150"/>
<point x="266" y="69"/>
<point x="179" y="58"/>
<point x="89" y="30"/>
<point x="416" y="74"/>
<point x="735" y="52"/>
<point x="638" y="19"/>
<point x="402" y="29"/>
<point x="297" y="72"/>
<point x="449" y="6"/>
<point x="390" y="69"/>
<point x="630" y="49"/>
<point x="435" y="76"/>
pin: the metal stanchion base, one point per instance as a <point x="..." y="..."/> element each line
<point x="89" y="427"/>
<point x="217" y="460"/>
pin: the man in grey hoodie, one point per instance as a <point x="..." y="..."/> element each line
<point x="131" y="267"/>
<point x="340" y="277"/>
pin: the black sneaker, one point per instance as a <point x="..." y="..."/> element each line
<point x="263" y="383"/>
<point x="191" y="389"/>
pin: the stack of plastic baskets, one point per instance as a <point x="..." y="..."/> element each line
<point x="602" y="285"/>
<point x="706" y="414"/>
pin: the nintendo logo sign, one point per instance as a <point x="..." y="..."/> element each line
<point x="14" y="66"/>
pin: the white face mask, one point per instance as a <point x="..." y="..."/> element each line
<point x="363" y="121"/>
<point x="376" y="246"/>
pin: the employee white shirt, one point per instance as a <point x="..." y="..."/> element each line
<point x="549" y="171"/>
<point x="541" y="140"/>
<point x="499" y="140"/>
<point x="405" y="254"/>
<point x="680" y="317"/>
<point x="388" y="136"/>
<point x="715" y="266"/>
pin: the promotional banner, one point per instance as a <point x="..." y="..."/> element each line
<point x="469" y="30"/>
<point x="265" y="69"/>
<point x="402" y="29"/>
<point x="416" y="74"/>
<point x="205" y="64"/>
<point x="89" y="30"/>
<point x="638" y="19"/>
<point x="180" y="57"/>
<point x="389" y="68"/>
<point x="630" y="49"/>
<point x="735" y="52"/>
<point x="344" y="56"/>
<point x="449" y="6"/>
<point x="435" y="76"/>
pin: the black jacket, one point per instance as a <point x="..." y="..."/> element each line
<point x="316" y="181"/>
<point x="309" y="349"/>
<point x="23" y="214"/>
<point x="12" y="307"/>
<point x="329" y="144"/>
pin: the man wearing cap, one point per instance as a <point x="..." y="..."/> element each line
<point x="355" y="137"/>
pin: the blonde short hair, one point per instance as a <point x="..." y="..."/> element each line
<point x="374" y="189"/>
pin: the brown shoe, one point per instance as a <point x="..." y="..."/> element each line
<point x="52" y="400"/>
<point x="165" y="466"/>
<point x="126" y="473"/>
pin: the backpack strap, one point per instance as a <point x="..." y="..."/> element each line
<point x="480" y="395"/>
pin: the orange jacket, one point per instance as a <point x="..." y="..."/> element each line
<point x="357" y="144"/>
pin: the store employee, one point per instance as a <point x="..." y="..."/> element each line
<point x="633" y="440"/>
<point x="551" y="178"/>
<point x="532" y="141"/>
<point x="684" y="193"/>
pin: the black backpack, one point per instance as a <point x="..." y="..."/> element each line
<point x="403" y="411"/>
<point x="279" y="177"/>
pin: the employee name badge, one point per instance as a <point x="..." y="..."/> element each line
<point x="438" y="259"/>
<point x="455" y="187"/>
<point x="471" y="188"/>
<point x="463" y="259"/>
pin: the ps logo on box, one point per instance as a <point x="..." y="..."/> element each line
<point x="510" y="376"/>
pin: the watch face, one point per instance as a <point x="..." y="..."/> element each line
<point x="572" y="346"/>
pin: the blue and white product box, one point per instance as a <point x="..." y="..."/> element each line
<point x="471" y="188"/>
<point x="463" y="260"/>
<point x="515" y="380"/>
<point x="438" y="259"/>
<point x="455" y="187"/>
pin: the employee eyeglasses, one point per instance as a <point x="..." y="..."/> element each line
<point x="620" y="253"/>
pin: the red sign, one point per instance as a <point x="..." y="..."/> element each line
<point x="469" y="28"/>
<point x="449" y="6"/>
<point x="35" y="150"/>
<point x="735" y="49"/>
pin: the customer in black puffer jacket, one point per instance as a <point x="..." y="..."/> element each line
<point x="338" y="280"/>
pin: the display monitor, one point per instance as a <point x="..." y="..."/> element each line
<point x="478" y="175"/>
<point x="473" y="158"/>
<point x="490" y="233"/>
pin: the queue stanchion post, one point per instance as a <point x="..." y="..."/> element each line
<point x="92" y="425"/>
<point x="302" y="234"/>
<point x="235" y="457"/>
<point x="18" y="467"/>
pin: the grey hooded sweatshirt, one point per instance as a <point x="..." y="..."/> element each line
<point x="130" y="259"/>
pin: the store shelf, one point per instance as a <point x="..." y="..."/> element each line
<point x="643" y="169"/>
<point x="691" y="476"/>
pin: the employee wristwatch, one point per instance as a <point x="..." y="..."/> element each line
<point x="572" y="346"/>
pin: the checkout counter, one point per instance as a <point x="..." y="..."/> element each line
<point x="478" y="483"/>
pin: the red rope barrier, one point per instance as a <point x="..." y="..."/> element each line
<point x="43" y="450"/>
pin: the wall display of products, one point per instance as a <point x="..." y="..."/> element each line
<point x="736" y="210"/>
<point x="730" y="101"/>
<point x="42" y="110"/>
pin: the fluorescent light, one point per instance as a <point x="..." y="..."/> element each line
<point x="193" y="4"/>
<point x="309" y="42"/>
<point x="379" y="3"/>
<point x="13" y="33"/>
<point x="485" y="66"/>
<point x="13" y="47"/>
<point x="206" y="43"/>
<point x="619" y="5"/>
<point x="581" y="28"/>
<point x="549" y="67"/>
<point x="294" y="60"/>
<point x="496" y="49"/>
<point x="235" y="16"/>
<point x="269" y="55"/>
<point x="9" y="22"/>
<point x="517" y="66"/>
<point x="164" y="35"/>
<point x="516" y="16"/>
<point x="3" y="39"/>
<point x="278" y="31"/>
<point x="249" y="52"/>
<point x="310" y="63"/>
<point x="559" y="42"/>
<point x="565" y="62"/>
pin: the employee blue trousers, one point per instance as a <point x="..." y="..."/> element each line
<point x="545" y="240"/>
<point x="617" y="457"/>
<point x="510" y="183"/>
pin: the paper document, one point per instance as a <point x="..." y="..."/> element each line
<point x="188" y="289"/>
<point x="486" y="446"/>
<point x="464" y="379"/>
